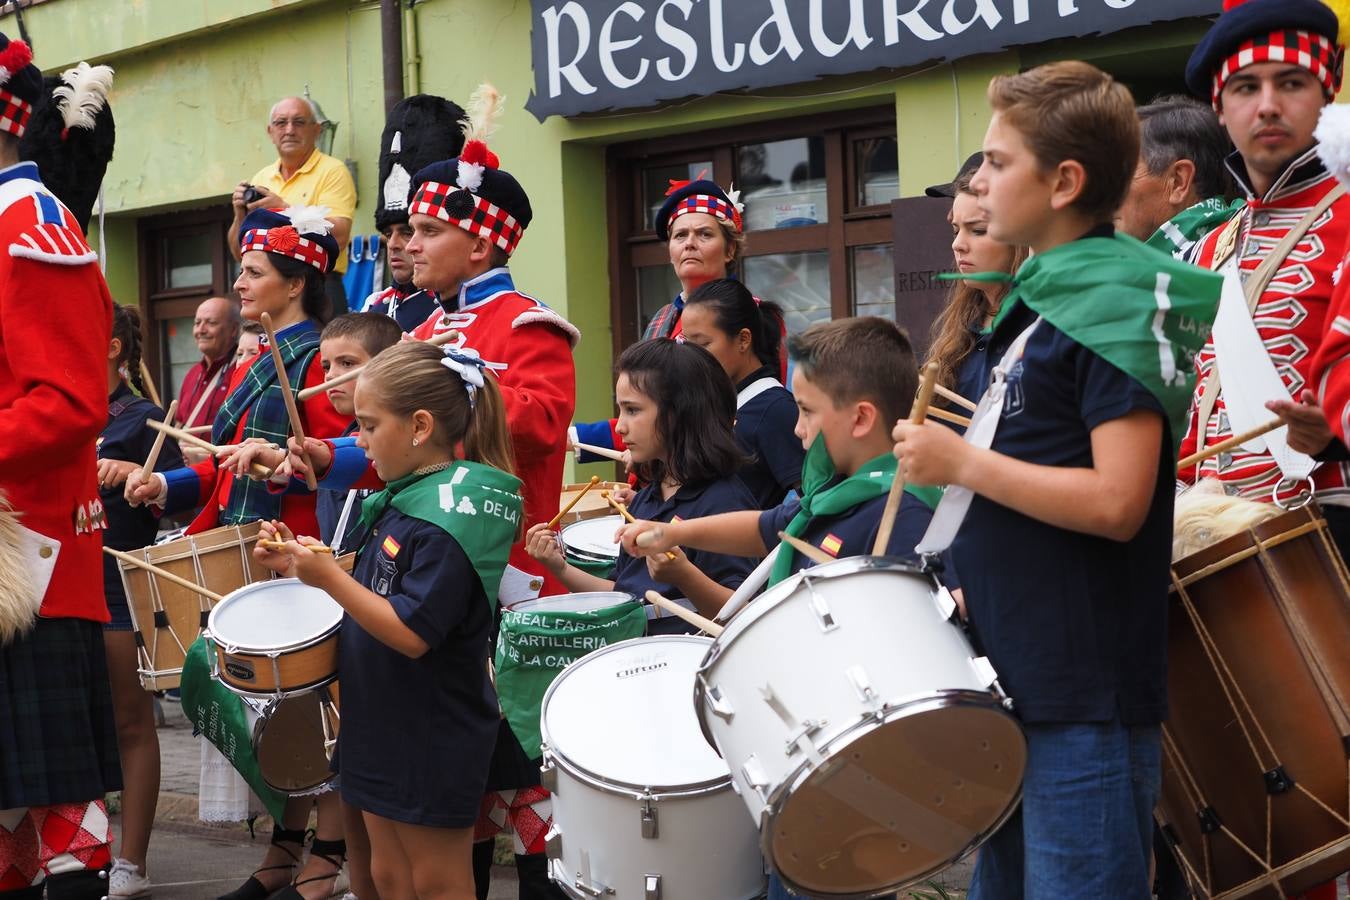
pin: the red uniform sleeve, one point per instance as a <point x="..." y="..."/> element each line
<point x="1330" y="375"/>
<point x="539" y="388"/>
<point x="57" y="322"/>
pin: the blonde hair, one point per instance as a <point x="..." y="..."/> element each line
<point x="1205" y="515"/>
<point x="409" y="377"/>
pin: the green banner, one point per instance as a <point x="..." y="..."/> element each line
<point x="218" y="714"/>
<point x="536" y="644"/>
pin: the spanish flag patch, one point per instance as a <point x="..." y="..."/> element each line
<point x="390" y="547"/>
<point x="832" y="545"/>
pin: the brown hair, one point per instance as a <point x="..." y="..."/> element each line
<point x="967" y="307"/>
<point x="1074" y="111"/>
<point x="860" y="358"/>
<point x="372" y="331"/>
<point x="409" y="377"/>
<point x="126" y="327"/>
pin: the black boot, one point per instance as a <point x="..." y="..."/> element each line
<point x="532" y="871"/>
<point x="82" y="885"/>
<point x="482" y="868"/>
<point x="332" y="852"/>
<point x="28" y="893"/>
<point x="253" y="889"/>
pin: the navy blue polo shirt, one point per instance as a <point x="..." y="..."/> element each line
<point x="127" y="438"/>
<point x="851" y="533"/>
<point x="764" y="427"/>
<point x="400" y="715"/>
<point x="691" y="501"/>
<point x="1074" y="624"/>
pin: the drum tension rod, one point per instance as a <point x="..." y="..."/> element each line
<point x="1209" y="820"/>
<point x="1278" y="781"/>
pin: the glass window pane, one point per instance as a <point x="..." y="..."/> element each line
<point x="798" y="282"/>
<point x="657" y="286"/>
<point x="180" y="351"/>
<point x="188" y="261"/>
<point x="877" y="168"/>
<point x="873" y="270"/>
<point x="782" y="183"/>
<point x="656" y="181"/>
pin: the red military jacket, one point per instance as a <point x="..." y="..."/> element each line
<point x="1291" y="317"/>
<point x="55" y="325"/>
<point x="538" y="386"/>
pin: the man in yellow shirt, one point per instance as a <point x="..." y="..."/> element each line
<point x="302" y="176"/>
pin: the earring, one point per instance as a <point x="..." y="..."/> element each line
<point x="416" y="442"/>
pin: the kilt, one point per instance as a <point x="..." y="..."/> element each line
<point x="58" y="738"/>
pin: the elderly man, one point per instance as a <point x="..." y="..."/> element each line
<point x="1180" y="187"/>
<point x="302" y="176"/>
<point x="215" y="328"/>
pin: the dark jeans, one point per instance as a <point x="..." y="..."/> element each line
<point x="1085" y="827"/>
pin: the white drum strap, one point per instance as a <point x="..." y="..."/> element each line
<point x="951" y="510"/>
<point x="341" y="528"/>
<point x="754" y="389"/>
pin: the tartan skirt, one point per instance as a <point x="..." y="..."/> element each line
<point x="58" y="738"/>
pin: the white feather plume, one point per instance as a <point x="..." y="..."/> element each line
<point x="84" y="94"/>
<point x="485" y="107"/>
<point x="309" y="219"/>
<point x="1333" y="140"/>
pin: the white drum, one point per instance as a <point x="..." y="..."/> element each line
<point x="642" y="806"/>
<point x="274" y="638"/>
<point x="593" y="539"/>
<point x="868" y="741"/>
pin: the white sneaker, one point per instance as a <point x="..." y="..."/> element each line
<point x="126" y="881"/>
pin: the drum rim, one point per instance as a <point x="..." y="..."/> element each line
<point x="255" y="739"/>
<point x="249" y="532"/>
<point x="623" y="597"/>
<point x="260" y="649"/>
<point x="773" y="804"/>
<point x="581" y="556"/>
<point x="614" y="786"/>
<point x="568" y="548"/>
<point x="1311" y="514"/>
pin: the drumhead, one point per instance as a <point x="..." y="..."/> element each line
<point x="584" y="602"/>
<point x="273" y="615"/>
<point x="593" y="537"/>
<point x="624" y="715"/>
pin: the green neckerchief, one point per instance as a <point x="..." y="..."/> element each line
<point x="1139" y="309"/>
<point x="1179" y="234"/>
<point x="823" y="495"/>
<point x="477" y="505"/>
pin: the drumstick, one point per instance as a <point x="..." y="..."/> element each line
<point x="257" y="470"/>
<point x="149" y="384"/>
<point x="953" y="396"/>
<point x="628" y="517"/>
<point x="281" y="545"/>
<point x="161" y="573"/>
<point x="599" y="451"/>
<point x="810" y="551"/>
<point x="1229" y="443"/>
<point x="749" y="587"/>
<point x="297" y="428"/>
<point x="444" y="337"/>
<point x="935" y="412"/>
<point x="198" y="429"/>
<point x="158" y="445"/>
<point x="916" y="417"/>
<point x="553" y="523"/>
<point x="689" y="616"/>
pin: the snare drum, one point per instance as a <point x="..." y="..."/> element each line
<point x="166" y="617"/>
<point x="294" y="739"/>
<point x="1254" y="779"/>
<point x="869" y="742"/>
<point x="591" y="506"/>
<point x="642" y="806"/>
<point x="275" y="638"/>
<point x="590" y="546"/>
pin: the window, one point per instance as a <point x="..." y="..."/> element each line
<point x="817" y="195"/>
<point x="184" y="260"/>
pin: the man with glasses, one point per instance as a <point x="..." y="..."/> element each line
<point x="303" y="175"/>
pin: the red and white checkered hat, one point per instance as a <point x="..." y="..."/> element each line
<point x="20" y="86"/>
<point x="474" y="193"/>
<point x="300" y="232"/>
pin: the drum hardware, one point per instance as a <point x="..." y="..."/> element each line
<point x="651" y="887"/>
<point x="819" y="606"/>
<point x="857" y="676"/>
<point x="1299" y="500"/>
<point x="649" y="826"/>
<point x="719" y="705"/>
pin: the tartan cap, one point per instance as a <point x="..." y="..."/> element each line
<point x="699" y="195"/>
<point x="20" y="86"/>
<point x="420" y="130"/>
<point x="1299" y="32"/>
<point x="496" y="207"/>
<point x="274" y="231"/>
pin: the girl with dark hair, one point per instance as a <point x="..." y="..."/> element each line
<point x="676" y="407"/>
<point x="744" y="336"/>
<point x="285" y="255"/>
<point x="122" y="448"/>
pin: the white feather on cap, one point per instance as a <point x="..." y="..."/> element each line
<point x="309" y="219"/>
<point x="84" y="94"/>
<point x="1333" y="140"/>
<point x="485" y="107"/>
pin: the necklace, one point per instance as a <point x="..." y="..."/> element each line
<point x="434" y="467"/>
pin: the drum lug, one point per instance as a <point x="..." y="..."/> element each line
<point x="754" y="775"/>
<point x="857" y="676"/>
<point x="946" y="604"/>
<point x="720" y="705"/>
<point x="820" y="607"/>
<point x="548" y="776"/>
<point x="1209" y="820"/>
<point x="553" y="842"/>
<point x="984" y="671"/>
<point x="583" y="880"/>
<point x="651" y="887"/>
<point x="650" y="829"/>
<point x="1278" y="780"/>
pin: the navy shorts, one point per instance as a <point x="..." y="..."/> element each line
<point x="120" y="612"/>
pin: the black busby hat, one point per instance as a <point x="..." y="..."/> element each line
<point x="968" y="168"/>
<point x="70" y="136"/>
<point x="420" y="130"/>
<point x="699" y="195"/>
<point x="300" y="232"/>
<point x="472" y="191"/>
<point x="1301" y="32"/>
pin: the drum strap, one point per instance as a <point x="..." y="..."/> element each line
<point x="754" y="389"/>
